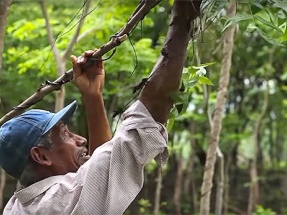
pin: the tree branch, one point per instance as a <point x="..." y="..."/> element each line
<point x="116" y="40"/>
<point x="77" y="32"/>
<point x="51" y="39"/>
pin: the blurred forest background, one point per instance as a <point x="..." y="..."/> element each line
<point x="251" y="168"/>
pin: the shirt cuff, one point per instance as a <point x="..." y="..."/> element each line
<point x="138" y="117"/>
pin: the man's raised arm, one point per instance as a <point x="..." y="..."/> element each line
<point x="90" y="82"/>
<point x="166" y="75"/>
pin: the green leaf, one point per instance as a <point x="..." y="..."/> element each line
<point x="236" y="19"/>
<point x="265" y="22"/>
<point x="201" y="72"/>
<point x="282" y="5"/>
<point x="192" y="83"/>
<point x="192" y="70"/>
<point x="283" y="38"/>
<point x="179" y="107"/>
<point x="204" y="80"/>
<point x="264" y="35"/>
<point x="256" y="7"/>
<point x="269" y="38"/>
<point x="203" y="65"/>
<point x="170" y="124"/>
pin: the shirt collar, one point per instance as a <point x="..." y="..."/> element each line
<point x="27" y="194"/>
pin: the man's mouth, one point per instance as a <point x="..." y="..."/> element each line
<point x="83" y="157"/>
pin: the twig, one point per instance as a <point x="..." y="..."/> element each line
<point x="86" y="33"/>
<point x="115" y="41"/>
<point x="50" y="35"/>
<point x="79" y="26"/>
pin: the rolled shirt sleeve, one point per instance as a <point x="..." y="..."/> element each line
<point x="114" y="175"/>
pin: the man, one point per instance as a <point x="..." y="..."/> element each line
<point x="53" y="165"/>
<point x="64" y="179"/>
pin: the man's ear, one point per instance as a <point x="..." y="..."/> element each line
<point x="40" y="156"/>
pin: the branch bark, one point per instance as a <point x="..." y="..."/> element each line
<point x="217" y="118"/>
<point x="120" y="37"/>
<point x="220" y="183"/>
<point x="163" y="82"/>
<point x="4" y="10"/>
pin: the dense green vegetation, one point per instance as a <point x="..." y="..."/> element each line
<point x="258" y="79"/>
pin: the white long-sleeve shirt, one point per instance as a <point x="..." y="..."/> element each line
<point x="108" y="182"/>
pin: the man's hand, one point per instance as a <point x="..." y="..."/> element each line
<point x="90" y="81"/>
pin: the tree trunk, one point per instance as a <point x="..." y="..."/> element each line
<point x="60" y="95"/>
<point x="4" y="10"/>
<point x="220" y="183"/>
<point x="217" y="118"/>
<point x="254" y="187"/>
<point x="189" y="187"/>
<point x="60" y="99"/>
<point x="226" y="185"/>
<point x="2" y="186"/>
<point x="178" y="184"/>
<point x="158" y="191"/>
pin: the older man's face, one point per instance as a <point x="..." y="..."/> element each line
<point x="68" y="151"/>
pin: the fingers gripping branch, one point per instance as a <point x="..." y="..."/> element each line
<point x="143" y="8"/>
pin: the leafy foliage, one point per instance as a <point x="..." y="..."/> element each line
<point x="259" y="58"/>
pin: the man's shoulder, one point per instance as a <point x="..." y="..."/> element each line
<point x="48" y="193"/>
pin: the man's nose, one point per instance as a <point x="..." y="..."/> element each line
<point x="81" y="141"/>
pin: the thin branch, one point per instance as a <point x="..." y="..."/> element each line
<point x="77" y="32"/>
<point x="138" y="16"/>
<point x="86" y="33"/>
<point x="51" y="39"/>
<point x="115" y="41"/>
<point x="140" y="5"/>
<point x="90" y="30"/>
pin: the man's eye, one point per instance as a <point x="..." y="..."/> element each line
<point x="65" y="134"/>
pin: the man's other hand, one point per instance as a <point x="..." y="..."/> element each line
<point x="90" y="81"/>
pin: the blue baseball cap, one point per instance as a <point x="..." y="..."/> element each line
<point x="20" y="134"/>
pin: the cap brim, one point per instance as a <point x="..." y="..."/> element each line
<point x="63" y="115"/>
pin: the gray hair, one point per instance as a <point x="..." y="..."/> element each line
<point x="29" y="175"/>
